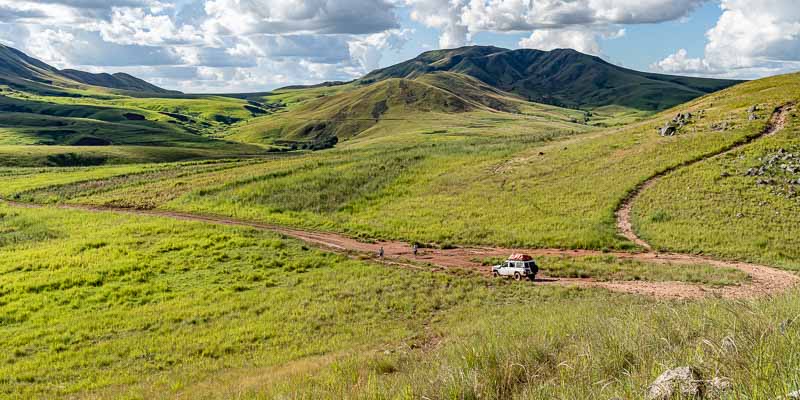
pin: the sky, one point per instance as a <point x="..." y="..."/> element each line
<point x="216" y="46"/>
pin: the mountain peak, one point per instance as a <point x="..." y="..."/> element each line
<point x="563" y="77"/>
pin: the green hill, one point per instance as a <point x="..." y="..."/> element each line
<point x="77" y="116"/>
<point x="115" y="81"/>
<point x="22" y="72"/>
<point x="322" y="121"/>
<point x="470" y="79"/>
<point x="560" y="77"/>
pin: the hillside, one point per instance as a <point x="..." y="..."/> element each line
<point x="560" y="77"/>
<point x="465" y="80"/>
<point x="324" y="120"/>
<point x="119" y="81"/>
<point x="22" y="72"/>
<point x="68" y="118"/>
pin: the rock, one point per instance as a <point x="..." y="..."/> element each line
<point x="725" y="174"/>
<point x="728" y="343"/>
<point x="752" y="117"/>
<point x="719" y="126"/>
<point x="682" y="381"/>
<point x="752" y="109"/>
<point x="789" y="396"/>
<point x="716" y="387"/>
<point x="739" y="215"/>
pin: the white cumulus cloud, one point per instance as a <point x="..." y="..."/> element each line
<point x="583" y="40"/>
<point x="750" y="39"/>
<point x="579" y="22"/>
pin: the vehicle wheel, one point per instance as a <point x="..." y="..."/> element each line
<point x="517" y="276"/>
<point x="495" y="274"/>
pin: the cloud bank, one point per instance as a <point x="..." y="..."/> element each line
<point x="750" y="39"/>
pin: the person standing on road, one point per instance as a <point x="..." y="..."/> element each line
<point x="380" y="253"/>
<point x="416" y="248"/>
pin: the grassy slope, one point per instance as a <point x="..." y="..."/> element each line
<point x="41" y="105"/>
<point x="565" y="196"/>
<point x="478" y="177"/>
<point x="314" y="115"/>
<point x="714" y="207"/>
<point x="177" y="128"/>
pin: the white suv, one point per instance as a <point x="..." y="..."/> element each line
<point x="517" y="266"/>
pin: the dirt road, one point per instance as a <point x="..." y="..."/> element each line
<point x="764" y="280"/>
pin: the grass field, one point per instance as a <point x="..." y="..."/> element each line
<point x="117" y="306"/>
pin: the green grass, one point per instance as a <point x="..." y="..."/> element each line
<point x="106" y="305"/>
<point x="176" y="127"/>
<point x="114" y="306"/>
<point x="609" y="268"/>
<point x="575" y="349"/>
<point x="107" y="302"/>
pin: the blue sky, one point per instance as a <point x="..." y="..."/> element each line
<point x="256" y="45"/>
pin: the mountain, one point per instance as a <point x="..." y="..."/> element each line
<point x="473" y="78"/>
<point x="120" y="81"/>
<point x="325" y="120"/>
<point x="22" y="72"/>
<point x="560" y="77"/>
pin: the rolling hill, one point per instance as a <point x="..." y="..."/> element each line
<point x="22" y="72"/>
<point x="471" y="79"/>
<point x="67" y="117"/>
<point x="560" y="77"/>
<point x="323" y="120"/>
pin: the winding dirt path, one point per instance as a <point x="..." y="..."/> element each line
<point x="763" y="281"/>
<point x="776" y="123"/>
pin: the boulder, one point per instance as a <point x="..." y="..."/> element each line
<point x="682" y="381"/>
<point x="716" y="387"/>
<point x="719" y="126"/>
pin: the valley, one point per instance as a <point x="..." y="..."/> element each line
<point x="156" y="244"/>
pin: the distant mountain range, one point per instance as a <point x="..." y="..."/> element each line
<point x="20" y="71"/>
<point x="561" y="77"/>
